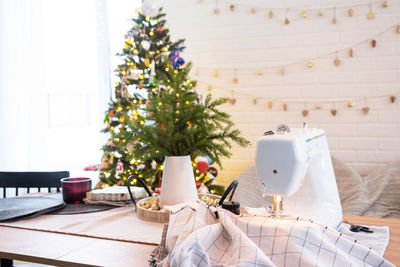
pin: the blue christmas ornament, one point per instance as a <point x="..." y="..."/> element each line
<point x="180" y="61"/>
<point x="209" y="160"/>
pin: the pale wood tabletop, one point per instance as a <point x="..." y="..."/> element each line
<point x="69" y="250"/>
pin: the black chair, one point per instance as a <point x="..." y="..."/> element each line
<point x="29" y="180"/>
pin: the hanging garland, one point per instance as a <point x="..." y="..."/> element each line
<point x="297" y="13"/>
<point x="283" y="69"/>
<point x="283" y="103"/>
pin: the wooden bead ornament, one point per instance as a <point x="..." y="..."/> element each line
<point x="351" y="52"/>
<point x="337" y="60"/>
<point x="235" y="80"/>
<point x="392" y="99"/>
<point x="370" y="14"/>
<point x="270" y="14"/>
<point x="334" y="16"/>
<point x="304" y="112"/>
<point x="216" y="74"/>
<point x="373" y="43"/>
<point x="333" y="112"/>
<point x="232" y="7"/>
<point x="365" y="110"/>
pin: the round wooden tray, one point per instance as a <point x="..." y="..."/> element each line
<point x="158" y="216"/>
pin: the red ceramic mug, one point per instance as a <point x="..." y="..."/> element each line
<point x="74" y="189"/>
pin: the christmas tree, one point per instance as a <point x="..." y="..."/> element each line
<point x="150" y="78"/>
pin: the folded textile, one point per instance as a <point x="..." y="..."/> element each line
<point x="115" y="193"/>
<point x="199" y="235"/>
<point x="378" y="240"/>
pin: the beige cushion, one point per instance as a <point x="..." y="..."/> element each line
<point x="377" y="195"/>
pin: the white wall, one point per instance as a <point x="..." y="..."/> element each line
<point x="244" y="41"/>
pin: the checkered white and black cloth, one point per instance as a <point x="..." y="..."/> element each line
<point x="197" y="237"/>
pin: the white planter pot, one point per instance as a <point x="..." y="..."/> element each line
<point x="178" y="184"/>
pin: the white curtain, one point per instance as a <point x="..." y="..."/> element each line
<point x="54" y="83"/>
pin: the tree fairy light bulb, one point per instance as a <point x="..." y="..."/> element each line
<point x="151" y="33"/>
<point x="166" y="69"/>
<point x="147" y="18"/>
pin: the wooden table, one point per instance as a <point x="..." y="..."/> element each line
<point x="68" y="250"/>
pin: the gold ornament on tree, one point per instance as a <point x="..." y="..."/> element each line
<point x="254" y="101"/>
<point x="259" y="72"/>
<point x="309" y="64"/>
<point x="351" y="52"/>
<point x="317" y="106"/>
<point x="350" y="104"/>
<point x="351" y="12"/>
<point x="385" y="4"/>
<point x="269" y="104"/>
<point x="304" y="14"/>
<point x="370" y="14"/>
<point x="252" y="10"/>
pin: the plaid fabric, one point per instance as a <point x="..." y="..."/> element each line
<point x="197" y="237"/>
<point x="160" y="252"/>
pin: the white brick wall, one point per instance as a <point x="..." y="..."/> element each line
<point x="242" y="40"/>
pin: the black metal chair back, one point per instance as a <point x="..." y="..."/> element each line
<point x="31" y="180"/>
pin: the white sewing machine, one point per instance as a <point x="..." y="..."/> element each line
<point x="294" y="166"/>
